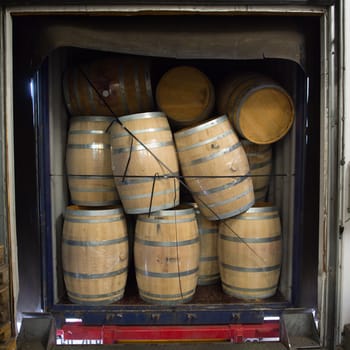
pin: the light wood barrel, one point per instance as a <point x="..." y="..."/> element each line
<point x="166" y="253"/>
<point x="250" y="253"/>
<point x="95" y="254"/>
<point x="260" y="110"/>
<point x="186" y="95"/>
<point x="88" y="162"/>
<point x="260" y="162"/>
<point x="123" y="82"/>
<point x="216" y="168"/>
<point x="142" y="161"/>
<point x="209" y="272"/>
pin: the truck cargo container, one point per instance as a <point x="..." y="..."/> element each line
<point x="64" y="63"/>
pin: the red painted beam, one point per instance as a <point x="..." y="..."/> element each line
<point x="110" y="334"/>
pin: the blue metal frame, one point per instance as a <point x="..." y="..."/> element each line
<point x="187" y="314"/>
<point x="299" y="188"/>
<point x="41" y="122"/>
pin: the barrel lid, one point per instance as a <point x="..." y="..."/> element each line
<point x="182" y="209"/>
<point x="202" y="126"/>
<point x="145" y="115"/>
<point x="185" y="94"/>
<point x="93" y="211"/>
<point x="262" y="207"/>
<point x="264" y="114"/>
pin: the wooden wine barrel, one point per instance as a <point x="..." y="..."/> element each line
<point x="250" y="253"/>
<point x="88" y="162"/>
<point x="186" y="95"/>
<point x="260" y="110"/>
<point x="209" y="272"/>
<point x="142" y="159"/>
<point x="123" y="83"/>
<point x="166" y="253"/>
<point x="216" y="168"/>
<point x="260" y="163"/>
<point x="95" y="254"/>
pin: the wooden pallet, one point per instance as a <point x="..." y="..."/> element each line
<point x="5" y="332"/>
<point x="4" y="294"/>
<point x="4" y="275"/>
<point x="9" y="345"/>
<point x="4" y="315"/>
<point x="6" y="342"/>
<point x="2" y="254"/>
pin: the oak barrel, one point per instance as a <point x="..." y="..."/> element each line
<point x="250" y="253"/>
<point x="88" y="162"/>
<point x="260" y="163"/>
<point x="95" y="254"/>
<point x="215" y="167"/>
<point x="208" y="258"/>
<point x="166" y="254"/>
<point x="185" y="94"/>
<point x="144" y="163"/>
<point x="123" y="83"/>
<point x="260" y="110"/>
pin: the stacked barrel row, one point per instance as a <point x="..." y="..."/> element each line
<point x="125" y="157"/>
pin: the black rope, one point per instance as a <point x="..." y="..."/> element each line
<point x="178" y="259"/>
<point x="128" y="161"/>
<point x="152" y="193"/>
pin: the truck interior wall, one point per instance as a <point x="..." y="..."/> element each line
<point x="299" y="282"/>
<point x="306" y="278"/>
<point x="27" y="195"/>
